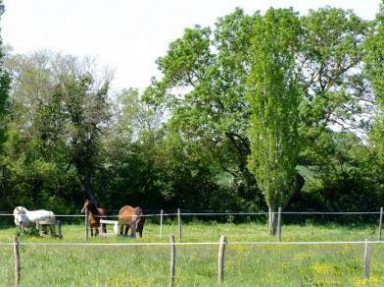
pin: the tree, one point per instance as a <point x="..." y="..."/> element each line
<point x="57" y="113"/>
<point x="4" y="86"/>
<point x="204" y="75"/>
<point x="374" y="68"/>
<point x="88" y="111"/>
<point x="131" y="145"/>
<point x="274" y="99"/>
<point x="329" y="70"/>
<point x="4" y="108"/>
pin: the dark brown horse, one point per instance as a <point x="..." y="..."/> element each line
<point x="131" y="217"/>
<point x="94" y="216"/>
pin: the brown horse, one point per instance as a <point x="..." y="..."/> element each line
<point x="94" y="216"/>
<point x="131" y="217"/>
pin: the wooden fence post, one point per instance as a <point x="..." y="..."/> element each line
<point x="279" y="225"/>
<point x="173" y="260"/>
<point x="367" y="259"/>
<point x="220" y="260"/>
<point x="380" y="222"/>
<point x="161" y="223"/>
<point x="86" y="223"/>
<point x="179" y="222"/>
<point x="17" y="260"/>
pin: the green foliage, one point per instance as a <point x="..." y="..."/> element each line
<point x="241" y="105"/>
<point x="211" y="110"/>
<point x="274" y="100"/>
<point x="52" y="131"/>
<point x="374" y="59"/>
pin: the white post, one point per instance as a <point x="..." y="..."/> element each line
<point x="59" y="229"/>
<point x="380" y="222"/>
<point x="179" y="222"/>
<point x="279" y="225"/>
<point x="161" y="223"/>
<point x="86" y="223"/>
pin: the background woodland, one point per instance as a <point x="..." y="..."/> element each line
<point x="257" y="112"/>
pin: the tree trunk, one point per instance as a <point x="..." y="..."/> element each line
<point x="272" y="221"/>
<point x="86" y="187"/>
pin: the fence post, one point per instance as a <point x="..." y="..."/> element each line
<point x="179" y="222"/>
<point x="173" y="260"/>
<point x="279" y="224"/>
<point x="220" y="260"/>
<point x="59" y="229"/>
<point x="380" y="222"/>
<point x="367" y="259"/>
<point x="161" y="223"/>
<point x="86" y="223"/>
<point x="17" y="260"/>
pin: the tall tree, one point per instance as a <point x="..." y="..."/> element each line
<point x="4" y="86"/>
<point x="4" y="107"/>
<point x="274" y="99"/>
<point x="374" y="68"/>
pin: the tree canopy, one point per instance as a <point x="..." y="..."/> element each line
<point x="257" y="112"/>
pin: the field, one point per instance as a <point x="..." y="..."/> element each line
<point x="112" y="262"/>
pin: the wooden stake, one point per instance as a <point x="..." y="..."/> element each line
<point x="179" y="222"/>
<point x="17" y="260"/>
<point x="161" y="223"/>
<point x="60" y="235"/>
<point x="173" y="260"/>
<point x="380" y="222"/>
<point x="86" y="224"/>
<point x="367" y="259"/>
<point x="220" y="260"/>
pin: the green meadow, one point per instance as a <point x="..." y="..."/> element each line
<point x="252" y="257"/>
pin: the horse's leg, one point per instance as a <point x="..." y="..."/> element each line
<point x="91" y="231"/>
<point x="121" y="229"/>
<point x="126" y="229"/>
<point x="96" y="231"/>
<point x="133" y="232"/>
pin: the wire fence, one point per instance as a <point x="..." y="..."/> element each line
<point x="162" y="223"/>
<point x="188" y="228"/>
<point x="172" y="245"/>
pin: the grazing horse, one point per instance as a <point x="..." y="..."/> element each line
<point x="131" y="217"/>
<point x="26" y="218"/>
<point x="94" y="216"/>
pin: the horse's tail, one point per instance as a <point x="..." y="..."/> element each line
<point x="140" y="221"/>
<point x="52" y="217"/>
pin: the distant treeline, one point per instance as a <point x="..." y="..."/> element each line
<point x="256" y="113"/>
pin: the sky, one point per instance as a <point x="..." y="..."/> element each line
<point x="128" y="36"/>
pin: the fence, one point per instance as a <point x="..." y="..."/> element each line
<point x="189" y="217"/>
<point x="172" y="257"/>
<point x="178" y="218"/>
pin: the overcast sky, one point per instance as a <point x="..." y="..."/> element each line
<point x="128" y="36"/>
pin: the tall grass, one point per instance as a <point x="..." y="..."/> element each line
<point x="49" y="264"/>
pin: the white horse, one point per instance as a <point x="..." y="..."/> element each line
<point x="25" y="218"/>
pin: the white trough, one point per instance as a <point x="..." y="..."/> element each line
<point x="115" y="224"/>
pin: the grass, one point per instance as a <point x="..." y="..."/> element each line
<point x="50" y="264"/>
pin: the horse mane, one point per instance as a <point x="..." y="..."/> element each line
<point x="92" y="207"/>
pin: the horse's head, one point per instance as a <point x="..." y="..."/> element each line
<point x="20" y="210"/>
<point x="87" y="202"/>
<point x="21" y="219"/>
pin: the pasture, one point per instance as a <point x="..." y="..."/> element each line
<point x="74" y="262"/>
